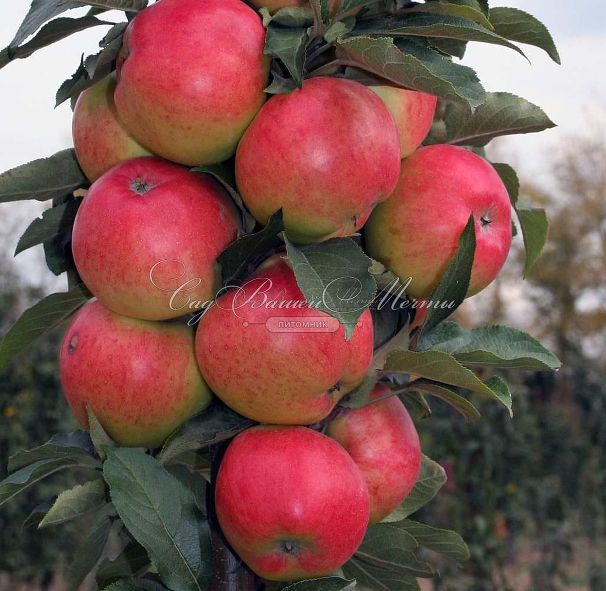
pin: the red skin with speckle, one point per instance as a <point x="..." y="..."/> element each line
<point x="291" y="502"/>
<point x="383" y="442"/>
<point x="413" y="113"/>
<point x="286" y="377"/>
<point x="139" y="378"/>
<point x="134" y="249"/>
<point x="326" y="154"/>
<point x="100" y="139"/>
<point x="416" y="232"/>
<point x="191" y="77"/>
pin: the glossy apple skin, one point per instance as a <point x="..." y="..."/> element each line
<point x="383" y="442"/>
<point x="191" y="78"/>
<point x="139" y="378"/>
<point x="291" y="502"/>
<point x="326" y="154"/>
<point x="285" y="377"/>
<point x="413" y="113"/>
<point x="415" y="233"/>
<point x="147" y="227"/>
<point x="100" y="139"/>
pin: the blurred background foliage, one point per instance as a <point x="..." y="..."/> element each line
<point x="529" y="494"/>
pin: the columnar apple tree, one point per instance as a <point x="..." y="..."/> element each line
<point x="268" y="216"/>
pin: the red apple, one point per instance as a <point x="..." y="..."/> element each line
<point x="291" y="502"/>
<point x="326" y="154"/>
<point x="192" y="77"/>
<point x="100" y="139"/>
<point x="272" y="358"/>
<point x="415" y="233"/>
<point x="146" y="228"/>
<point x="139" y="378"/>
<point x="383" y="442"/>
<point x="413" y="113"/>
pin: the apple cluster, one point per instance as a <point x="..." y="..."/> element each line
<point x="335" y="156"/>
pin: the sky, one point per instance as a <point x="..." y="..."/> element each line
<point x="573" y="94"/>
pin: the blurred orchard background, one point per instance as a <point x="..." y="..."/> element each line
<point x="528" y="494"/>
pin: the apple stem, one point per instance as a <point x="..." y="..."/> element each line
<point x="229" y="572"/>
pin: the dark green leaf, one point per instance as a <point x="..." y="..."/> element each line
<point x="55" y="220"/>
<point x="413" y="66"/>
<point x="161" y="515"/>
<point x="125" y="5"/>
<point x="339" y="28"/>
<point x="452" y="289"/>
<point x="129" y="562"/>
<point x="501" y="391"/>
<point x="517" y="25"/>
<point x="34" y="518"/>
<point x="448" y="395"/>
<point x="492" y="346"/>
<point x="42" y="179"/>
<point x="334" y="277"/>
<point x="40" y="319"/>
<point x="71" y="446"/>
<point x="236" y="260"/>
<point x="133" y="584"/>
<point x="535" y="226"/>
<point x="280" y="85"/>
<point x="288" y="45"/>
<point x="73" y="86"/>
<point x="40" y="12"/>
<point x="510" y="180"/>
<point x="359" y="396"/>
<point x="323" y="584"/>
<point x="293" y="16"/>
<point x="451" y="47"/>
<point x="431" y="479"/>
<point x="75" y="502"/>
<point x="99" y="437"/>
<point x="448" y="543"/>
<point x="101" y="64"/>
<point x="465" y="11"/>
<point x="216" y="424"/>
<point x="321" y="11"/>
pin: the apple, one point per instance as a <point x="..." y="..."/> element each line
<point x="415" y="233"/>
<point x="325" y="154"/>
<point x="413" y="113"/>
<point x="191" y="77"/>
<point x="383" y="442"/>
<point x="272" y="358"/>
<point x="291" y="502"/>
<point x="100" y="139"/>
<point x="147" y="236"/>
<point x="139" y="378"/>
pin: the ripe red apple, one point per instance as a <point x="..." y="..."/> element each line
<point x="139" y="378"/>
<point x="291" y="502"/>
<point x="100" y="139"/>
<point x="416" y="231"/>
<point x="383" y="442"/>
<point x="326" y="154"/>
<point x="272" y="358"/>
<point x="146" y="228"/>
<point x="192" y="77"/>
<point x="413" y="113"/>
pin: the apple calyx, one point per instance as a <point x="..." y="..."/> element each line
<point x="141" y="187"/>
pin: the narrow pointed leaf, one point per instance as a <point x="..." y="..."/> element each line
<point x="448" y="395"/>
<point x="535" y="227"/>
<point x="448" y="543"/>
<point x="75" y="502"/>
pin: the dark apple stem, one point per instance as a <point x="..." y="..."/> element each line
<point x="229" y="572"/>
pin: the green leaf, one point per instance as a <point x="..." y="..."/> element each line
<point x="89" y="550"/>
<point x="431" y="479"/>
<point x="101" y="64"/>
<point x="216" y="424"/>
<point x="322" y="584"/>
<point x="293" y="16"/>
<point x="40" y="12"/>
<point x="432" y="25"/>
<point x="71" y="446"/>
<point x="18" y="481"/>
<point x="75" y="502"/>
<point x="37" y="514"/>
<point x="280" y="85"/>
<point x="500" y="114"/>
<point x="360" y="395"/>
<point x="464" y="11"/>
<point x="448" y="395"/>
<point x="124" y="5"/>
<point x="129" y="562"/>
<point x="413" y="66"/>
<point x="501" y="391"/>
<point x="50" y="33"/>
<point x="237" y="258"/>
<point x="161" y="515"/>
<point x="334" y="277"/>
<point x="448" y="543"/>
<point x="535" y="227"/>
<point x="55" y="220"/>
<point x="339" y="28"/>
<point x="321" y="11"/>
<point x="440" y="367"/>
<point x="517" y="25"/>
<point x="510" y="180"/>
<point x="491" y="346"/>
<point x="452" y="289"/>
<point x="133" y="584"/>
<point x="42" y="179"/>
<point x="40" y="319"/>
<point x="288" y="45"/>
<point x="99" y="437"/>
